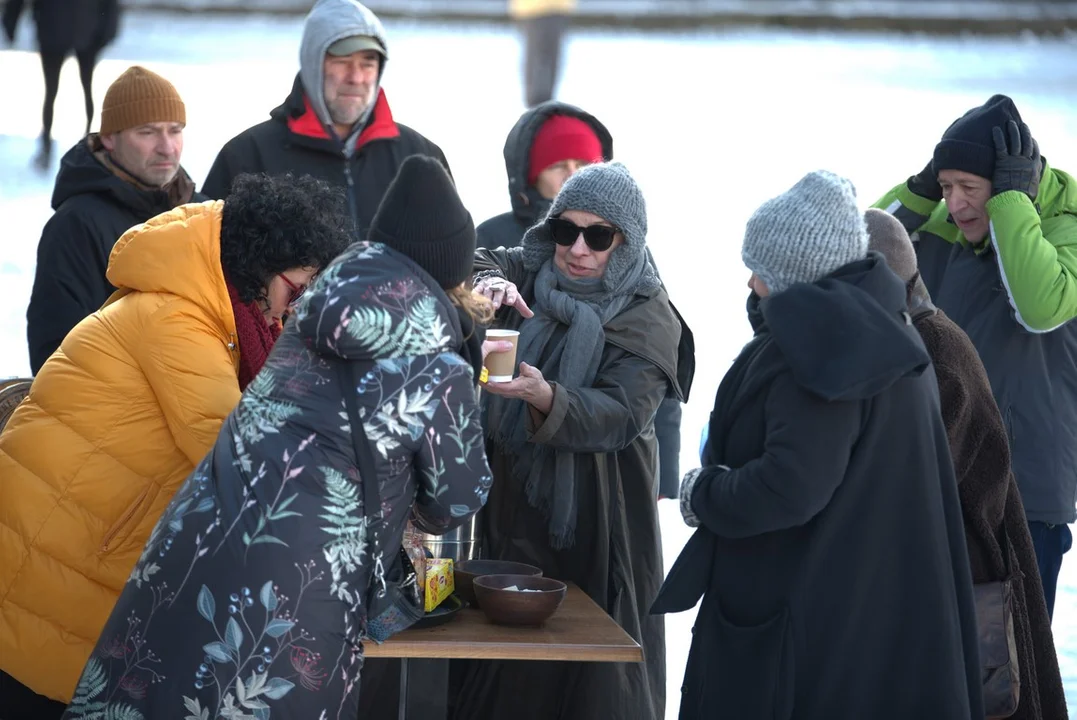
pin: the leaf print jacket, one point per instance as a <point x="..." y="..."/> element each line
<point x="248" y="600"/>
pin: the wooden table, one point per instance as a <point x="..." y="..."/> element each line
<point x="579" y="631"/>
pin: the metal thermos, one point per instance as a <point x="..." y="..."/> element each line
<point x="463" y="543"/>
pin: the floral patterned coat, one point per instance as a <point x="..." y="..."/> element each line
<point x="248" y="600"/>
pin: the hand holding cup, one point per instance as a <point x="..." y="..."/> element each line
<point x="530" y="387"/>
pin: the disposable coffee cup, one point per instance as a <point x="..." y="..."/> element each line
<point x="502" y="365"/>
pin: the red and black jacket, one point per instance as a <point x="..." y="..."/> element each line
<point x="295" y="140"/>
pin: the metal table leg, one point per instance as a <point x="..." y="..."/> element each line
<point x="402" y="711"/>
<point x="424" y="690"/>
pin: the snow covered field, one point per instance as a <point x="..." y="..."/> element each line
<point x="710" y="124"/>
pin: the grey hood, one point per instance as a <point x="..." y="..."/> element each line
<point x="327" y="22"/>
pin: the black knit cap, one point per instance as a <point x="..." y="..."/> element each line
<point x="968" y="144"/>
<point x="421" y="215"/>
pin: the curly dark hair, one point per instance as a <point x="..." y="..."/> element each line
<point x="274" y="223"/>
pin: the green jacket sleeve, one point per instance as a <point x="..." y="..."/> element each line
<point x="911" y="210"/>
<point x="1038" y="266"/>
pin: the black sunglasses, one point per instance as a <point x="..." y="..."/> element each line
<point x="565" y="232"/>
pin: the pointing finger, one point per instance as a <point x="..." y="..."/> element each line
<point x="521" y="306"/>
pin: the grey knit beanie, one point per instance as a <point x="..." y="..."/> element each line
<point x="887" y="236"/>
<point x="609" y="191"/>
<point x="805" y="233"/>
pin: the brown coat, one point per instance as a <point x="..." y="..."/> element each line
<point x="991" y="506"/>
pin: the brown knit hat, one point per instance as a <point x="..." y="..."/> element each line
<point x="138" y="97"/>
<point x="886" y="235"/>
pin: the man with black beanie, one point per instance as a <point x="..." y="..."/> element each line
<point x="996" y="232"/>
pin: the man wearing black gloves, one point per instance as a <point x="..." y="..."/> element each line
<point x="996" y="233"/>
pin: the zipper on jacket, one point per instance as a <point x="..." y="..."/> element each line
<point x="124" y="520"/>
<point x="352" y="206"/>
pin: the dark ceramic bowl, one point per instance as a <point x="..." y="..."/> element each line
<point x="517" y="607"/>
<point x="465" y="572"/>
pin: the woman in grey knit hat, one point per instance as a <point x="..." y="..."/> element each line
<point x="571" y="442"/>
<point x="830" y="555"/>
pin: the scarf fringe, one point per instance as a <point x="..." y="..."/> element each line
<point x="548" y="476"/>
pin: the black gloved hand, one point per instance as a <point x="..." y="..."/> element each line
<point x="1017" y="164"/>
<point x="925" y="184"/>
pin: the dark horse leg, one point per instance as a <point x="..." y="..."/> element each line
<point x="87" y="60"/>
<point x="51" y="63"/>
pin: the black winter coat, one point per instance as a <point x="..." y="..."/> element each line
<point x="831" y="558"/>
<point x="528" y="207"/>
<point x="66" y="26"/>
<point x="94" y="207"/>
<point x="250" y="598"/>
<point x="295" y="141"/>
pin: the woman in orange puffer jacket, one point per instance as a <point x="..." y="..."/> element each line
<point x="130" y="403"/>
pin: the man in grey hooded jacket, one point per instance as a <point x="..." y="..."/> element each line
<point x="336" y="123"/>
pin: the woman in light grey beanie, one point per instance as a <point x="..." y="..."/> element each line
<point x="805" y="233"/>
<point x="826" y="504"/>
<point x="571" y="444"/>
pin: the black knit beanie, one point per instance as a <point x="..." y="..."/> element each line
<point x="422" y="216"/>
<point x="968" y="144"/>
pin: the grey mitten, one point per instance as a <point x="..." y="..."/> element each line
<point x="926" y="183"/>
<point x="1017" y="164"/>
<point x="688" y="485"/>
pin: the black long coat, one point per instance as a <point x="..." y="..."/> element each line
<point x="831" y="558"/>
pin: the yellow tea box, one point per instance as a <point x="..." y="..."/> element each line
<point x="439" y="581"/>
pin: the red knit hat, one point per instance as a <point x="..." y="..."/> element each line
<point x="561" y="138"/>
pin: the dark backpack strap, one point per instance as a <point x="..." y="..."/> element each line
<point x="364" y="458"/>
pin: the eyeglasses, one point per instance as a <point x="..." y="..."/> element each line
<point x="296" y="290"/>
<point x="565" y="232"/>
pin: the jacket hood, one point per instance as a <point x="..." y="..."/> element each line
<point x="83" y="174"/>
<point x="848" y="336"/>
<point x="527" y="205"/>
<point x="327" y="22"/>
<point x="373" y="303"/>
<point x="649" y="328"/>
<point x="179" y="253"/>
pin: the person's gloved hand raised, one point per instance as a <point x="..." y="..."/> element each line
<point x="925" y="184"/>
<point x="1017" y="160"/>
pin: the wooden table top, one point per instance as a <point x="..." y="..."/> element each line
<point x="580" y="630"/>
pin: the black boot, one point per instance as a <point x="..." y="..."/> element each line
<point x="43" y="159"/>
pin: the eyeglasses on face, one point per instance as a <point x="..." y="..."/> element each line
<point x="295" y="290"/>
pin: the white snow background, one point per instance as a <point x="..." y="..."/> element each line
<point x="711" y="124"/>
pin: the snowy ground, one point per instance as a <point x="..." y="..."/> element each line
<point x="711" y="125"/>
